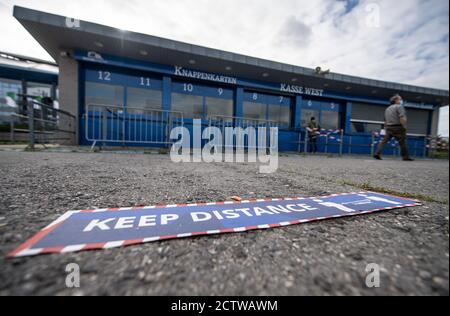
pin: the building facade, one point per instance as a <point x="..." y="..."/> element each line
<point x="117" y="83"/>
<point x="20" y="75"/>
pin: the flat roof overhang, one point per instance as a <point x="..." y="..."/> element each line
<point x="58" y="33"/>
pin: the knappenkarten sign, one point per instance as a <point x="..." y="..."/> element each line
<point x="110" y="228"/>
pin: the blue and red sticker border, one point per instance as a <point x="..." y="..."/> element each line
<point x="26" y="249"/>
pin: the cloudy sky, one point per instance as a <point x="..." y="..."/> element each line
<point x="404" y="40"/>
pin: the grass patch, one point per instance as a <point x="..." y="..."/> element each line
<point x="440" y="155"/>
<point x="35" y="149"/>
<point x="368" y="187"/>
<point x="17" y="142"/>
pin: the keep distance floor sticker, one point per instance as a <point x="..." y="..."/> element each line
<point x="119" y="227"/>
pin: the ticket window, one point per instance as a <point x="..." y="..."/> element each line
<point x="216" y="107"/>
<point x="144" y="100"/>
<point x="197" y="101"/>
<point x="104" y="95"/>
<point x="327" y="114"/>
<point x="330" y="120"/>
<point x="263" y="107"/>
<point x="255" y="111"/>
<point x="190" y="106"/>
<point x="307" y="114"/>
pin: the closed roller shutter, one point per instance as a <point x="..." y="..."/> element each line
<point x="417" y="121"/>
<point x="368" y="112"/>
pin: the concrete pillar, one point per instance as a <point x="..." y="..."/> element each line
<point x="68" y="96"/>
<point x="435" y="122"/>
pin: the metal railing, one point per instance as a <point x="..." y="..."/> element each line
<point x="420" y="145"/>
<point x="337" y="142"/>
<point x="111" y="124"/>
<point x="224" y="122"/>
<point x="437" y="146"/>
<point x="43" y="123"/>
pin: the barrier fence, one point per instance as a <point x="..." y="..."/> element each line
<point x="325" y="138"/>
<point x="337" y="142"/>
<point x="419" y="147"/>
<point x="437" y="147"/>
<point x="43" y="123"/>
<point x="117" y="125"/>
<point x="125" y="126"/>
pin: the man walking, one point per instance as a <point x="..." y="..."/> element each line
<point x="396" y="125"/>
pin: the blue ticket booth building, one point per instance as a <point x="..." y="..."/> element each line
<point x="130" y="89"/>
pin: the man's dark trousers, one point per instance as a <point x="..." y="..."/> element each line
<point x="399" y="132"/>
<point x="313" y="142"/>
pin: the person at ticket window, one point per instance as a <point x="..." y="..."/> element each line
<point x="395" y="126"/>
<point x="313" y="132"/>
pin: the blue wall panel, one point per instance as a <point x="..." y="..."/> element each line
<point x="159" y="77"/>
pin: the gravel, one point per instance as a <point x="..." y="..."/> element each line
<point x="324" y="258"/>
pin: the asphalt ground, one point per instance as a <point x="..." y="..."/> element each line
<point x="323" y="258"/>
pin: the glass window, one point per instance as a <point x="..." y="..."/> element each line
<point x="144" y="99"/>
<point x="366" y="127"/>
<point x="273" y="108"/>
<point x="255" y="111"/>
<point x="218" y="107"/>
<point x="358" y="127"/>
<point x="280" y="114"/>
<point x="39" y="90"/>
<point x="9" y="90"/>
<point x="104" y="94"/>
<point x="191" y="106"/>
<point x="307" y="114"/>
<point x="374" y="128"/>
<point x="330" y="120"/>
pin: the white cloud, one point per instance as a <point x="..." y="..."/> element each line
<point x="410" y="46"/>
